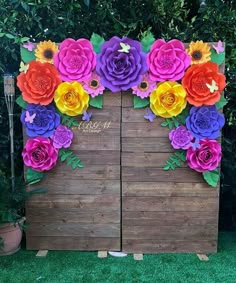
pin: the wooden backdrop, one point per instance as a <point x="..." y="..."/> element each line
<point x="122" y="199"/>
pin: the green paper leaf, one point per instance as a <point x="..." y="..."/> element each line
<point x="68" y="121"/>
<point x="147" y="41"/>
<point x="211" y="177"/>
<point x="27" y="55"/>
<point x="221" y="103"/>
<point x="96" y="102"/>
<point x="34" y="177"/>
<point x="97" y="41"/>
<point x="21" y="102"/>
<point x="65" y="155"/>
<point x="175" y="160"/>
<point x="217" y="58"/>
<point x="139" y="102"/>
<point x="71" y="159"/>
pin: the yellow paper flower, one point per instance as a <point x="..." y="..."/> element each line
<point x="168" y="99"/>
<point x="199" y="51"/>
<point x="71" y="99"/>
<point x="45" y="51"/>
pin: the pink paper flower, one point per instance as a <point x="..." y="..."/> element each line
<point x="167" y="60"/>
<point x="180" y="138"/>
<point x="93" y="85"/>
<point x="62" y="137"/>
<point x="39" y="154"/>
<point x="145" y="87"/>
<point x="205" y="158"/>
<point x="75" y="60"/>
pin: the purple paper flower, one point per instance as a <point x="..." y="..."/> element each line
<point x="62" y="137"/>
<point x="121" y="63"/>
<point x="205" y="122"/>
<point x="40" y="120"/>
<point x="167" y="60"/>
<point x="180" y="138"/>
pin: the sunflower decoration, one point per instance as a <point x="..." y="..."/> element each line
<point x="45" y="51"/>
<point x="199" y="51"/>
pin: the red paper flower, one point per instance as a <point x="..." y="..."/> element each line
<point x="39" y="83"/>
<point x="203" y="84"/>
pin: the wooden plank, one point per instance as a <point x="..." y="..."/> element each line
<point x="107" y="129"/>
<point x="163" y="246"/>
<point x="74" y="229"/>
<point x="134" y="115"/>
<point x="180" y="232"/>
<point x="171" y="189"/>
<point x="175" y="218"/>
<point x="99" y="157"/>
<point x="107" y="113"/>
<point x="87" y="143"/>
<point x="146" y="144"/>
<point x="108" y="202"/>
<point x="152" y="174"/>
<point x="73" y="215"/>
<point x="96" y="172"/>
<point x="170" y="204"/>
<point x="127" y="99"/>
<point x="69" y="185"/>
<point x="111" y="99"/>
<point x="145" y="159"/>
<point x="72" y="243"/>
<point x="145" y="129"/>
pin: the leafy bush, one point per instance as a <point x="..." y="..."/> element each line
<point x="56" y="20"/>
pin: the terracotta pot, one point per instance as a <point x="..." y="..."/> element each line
<point x="11" y="235"/>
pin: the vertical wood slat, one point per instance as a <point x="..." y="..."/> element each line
<point x="81" y="210"/>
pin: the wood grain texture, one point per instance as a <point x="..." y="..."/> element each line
<point x="72" y="243"/>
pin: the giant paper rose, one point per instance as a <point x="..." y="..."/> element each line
<point x="167" y="60"/>
<point x="39" y="154"/>
<point x="205" y="158"/>
<point x="71" y="98"/>
<point x="203" y="84"/>
<point x="168" y="99"/>
<point x="180" y="138"/>
<point x="38" y="83"/>
<point x="121" y="63"/>
<point x="205" y="122"/>
<point x="40" y="120"/>
<point x="75" y="60"/>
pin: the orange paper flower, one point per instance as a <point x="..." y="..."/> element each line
<point x="199" y="51"/>
<point x="39" y="83"/>
<point x="203" y="84"/>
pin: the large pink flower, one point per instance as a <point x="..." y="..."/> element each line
<point x="75" y="60"/>
<point x="39" y="154"/>
<point x="205" y="158"/>
<point x="167" y="60"/>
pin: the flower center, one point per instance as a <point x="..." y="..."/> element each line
<point x="41" y="83"/>
<point x="203" y="122"/>
<point x="166" y="62"/>
<point x="197" y="55"/>
<point x="48" y="53"/>
<point x="75" y="62"/>
<point x="205" y="155"/>
<point x="38" y="155"/>
<point x="71" y="98"/>
<point x="41" y="120"/>
<point x="167" y="99"/>
<point x="94" y="83"/>
<point x="199" y="84"/>
<point x="143" y="86"/>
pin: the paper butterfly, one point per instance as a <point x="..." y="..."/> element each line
<point x="219" y="47"/>
<point x="23" y="68"/>
<point x="212" y="87"/>
<point x="149" y="115"/>
<point x="124" y="47"/>
<point x="195" y="144"/>
<point x="87" y="116"/>
<point x="29" y="46"/>
<point x="29" y="118"/>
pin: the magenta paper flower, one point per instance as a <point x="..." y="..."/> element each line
<point x="39" y="154"/>
<point x="75" y="60"/>
<point x="62" y="137"/>
<point x="145" y="87"/>
<point x="167" y="60"/>
<point x="93" y="85"/>
<point x="205" y="158"/>
<point x="180" y="138"/>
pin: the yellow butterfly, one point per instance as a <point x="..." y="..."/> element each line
<point x="124" y="47"/>
<point x="212" y="87"/>
<point x="23" y="68"/>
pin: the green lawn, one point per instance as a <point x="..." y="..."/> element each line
<point x="85" y="267"/>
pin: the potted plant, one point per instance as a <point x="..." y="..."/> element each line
<point x="12" y="203"/>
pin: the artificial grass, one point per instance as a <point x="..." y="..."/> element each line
<point x="85" y="267"/>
